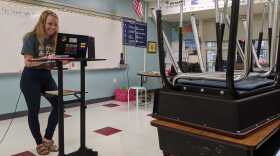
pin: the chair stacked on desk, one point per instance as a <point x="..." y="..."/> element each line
<point x="228" y="103"/>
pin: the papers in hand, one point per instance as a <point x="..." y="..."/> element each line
<point x="61" y="56"/>
<point x="57" y="56"/>
<point x="50" y="64"/>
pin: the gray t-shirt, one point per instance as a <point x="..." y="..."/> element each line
<point x="31" y="46"/>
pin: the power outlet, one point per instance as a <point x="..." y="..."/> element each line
<point x="115" y="80"/>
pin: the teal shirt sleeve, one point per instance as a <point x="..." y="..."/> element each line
<point x="29" y="45"/>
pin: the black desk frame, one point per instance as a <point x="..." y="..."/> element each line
<point x="143" y="74"/>
<point x="83" y="150"/>
<point x="175" y="142"/>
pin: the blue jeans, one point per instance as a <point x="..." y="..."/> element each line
<point x="33" y="84"/>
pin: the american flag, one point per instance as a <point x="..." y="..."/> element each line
<point x="138" y="7"/>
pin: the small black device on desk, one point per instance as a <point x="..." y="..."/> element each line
<point x="76" y="46"/>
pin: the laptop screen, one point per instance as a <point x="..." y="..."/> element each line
<point x="72" y="45"/>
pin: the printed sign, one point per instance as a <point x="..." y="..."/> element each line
<point x="134" y="33"/>
<point x="129" y="32"/>
<point x="141" y="34"/>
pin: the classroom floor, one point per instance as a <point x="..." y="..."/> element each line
<point x="125" y="133"/>
<point x="134" y="135"/>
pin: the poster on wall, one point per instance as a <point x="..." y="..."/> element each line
<point x="173" y="3"/>
<point x="129" y="31"/>
<point x="196" y="5"/>
<point x="188" y="38"/>
<point x="141" y="34"/>
<point x="134" y="33"/>
<point x="152" y="47"/>
<point x="173" y="6"/>
<point x="202" y="5"/>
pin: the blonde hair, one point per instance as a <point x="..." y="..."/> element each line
<point x="39" y="29"/>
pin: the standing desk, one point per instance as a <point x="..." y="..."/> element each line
<point x="83" y="150"/>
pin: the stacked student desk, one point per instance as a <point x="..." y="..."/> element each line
<point x="181" y="140"/>
<point x="147" y="74"/>
<point x="83" y="150"/>
<point x="154" y="74"/>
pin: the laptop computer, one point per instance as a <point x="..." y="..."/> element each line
<point x="75" y="46"/>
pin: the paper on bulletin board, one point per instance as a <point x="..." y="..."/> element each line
<point x="134" y="33"/>
<point x="152" y="47"/>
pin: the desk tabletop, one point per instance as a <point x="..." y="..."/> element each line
<point x="66" y="92"/>
<point x="252" y="141"/>
<point x="149" y="74"/>
<point x="64" y="59"/>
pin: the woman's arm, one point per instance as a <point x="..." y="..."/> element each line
<point x="29" y="63"/>
<point x="63" y="62"/>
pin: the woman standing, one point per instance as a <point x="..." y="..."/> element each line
<point x="36" y="78"/>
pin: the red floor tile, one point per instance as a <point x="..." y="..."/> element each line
<point x="107" y="131"/>
<point x="111" y="105"/>
<point x="26" y="153"/>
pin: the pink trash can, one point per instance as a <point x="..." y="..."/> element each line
<point x="122" y="95"/>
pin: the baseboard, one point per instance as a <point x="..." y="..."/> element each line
<point x="47" y="109"/>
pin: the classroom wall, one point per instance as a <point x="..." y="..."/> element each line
<point x="209" y="29"/>
<point x="99" y="83"/>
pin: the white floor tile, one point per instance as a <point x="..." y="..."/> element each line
<point x="137" y="137"/>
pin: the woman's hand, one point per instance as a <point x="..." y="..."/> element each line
<point x="41" y="64"/>
<point x="29" y="63"/>
<point x="66" y="62"/>
<point x="52" y="56"/>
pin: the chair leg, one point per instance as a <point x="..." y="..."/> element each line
<point x="145" y="99"/>
<point x="152" y="98"/>
<point x="128" y="99"/>
<point x="137" y="100"/>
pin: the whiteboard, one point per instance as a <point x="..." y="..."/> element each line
<point x="17" y="19"/>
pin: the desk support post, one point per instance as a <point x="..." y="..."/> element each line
<point x="83" y="106"/>
<point x="141" y="81"/>
<point x="83" y="150"/>
<point x="60" y="109"/>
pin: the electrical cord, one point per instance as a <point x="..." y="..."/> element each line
<point x="127" y="77"/>
<point x="11" y="121"/>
